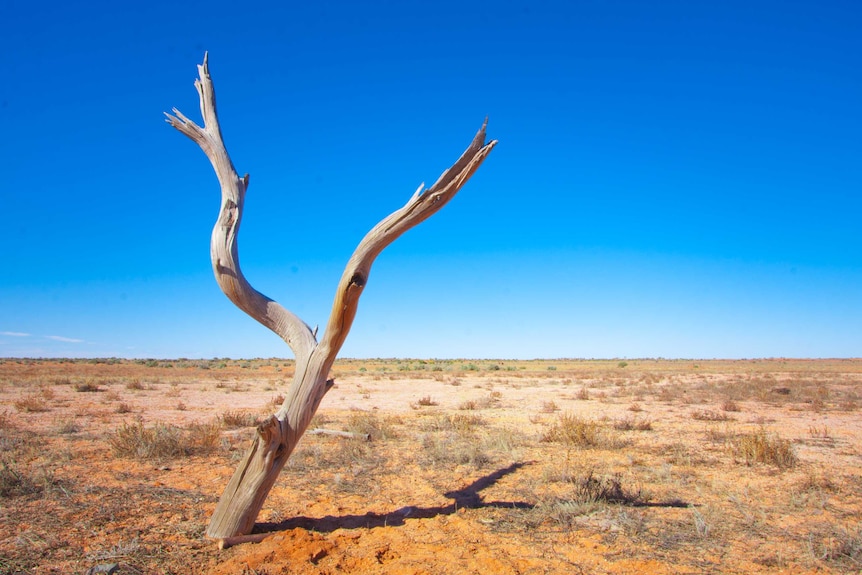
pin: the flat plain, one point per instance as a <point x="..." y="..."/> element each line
<point x="472" y="466"/>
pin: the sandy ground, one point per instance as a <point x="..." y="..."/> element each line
<point x="474" y="467"/>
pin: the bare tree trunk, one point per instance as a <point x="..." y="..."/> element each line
<point x="276" y="439"/>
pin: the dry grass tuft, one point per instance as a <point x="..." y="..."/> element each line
<point x="15" y="481"/>
<point x="575" y="431"/>
<point x="763" y="447"/>
<point x="135" y="385"/>
<point x="730" y="405"/>
<point x="710" y="415"/>
<point x="455" y="448"/>
<point x="31" y="403"/>
<point x="817" y="482"/>
<point x="156" y="442"/>
<point x="464" y="423"/>
<point x="17" y="478"/>
<point x="161" y="441"/>
<point x="370" y="424"/>
<point x="88" y="386"/>
<point x="233" y="419"/>
<point x="67" y="425"/>
<point x="837" y="545"/>
<point x="549" y="407"/>
<point x="456" y="440"/>
<point x="203" y="438"/>
<point x="604" y="489"/>
<point x="591" y="496"/>
<point x="459" y="422"/>
<point x="633" y="424"/>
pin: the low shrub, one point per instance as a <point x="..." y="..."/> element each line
<point x="67" y="425"/>
<point x="135" y="384"/>
<point x="633" y="424"/>
<point x="15" y="481"/>
<point x="730" y="405"/>
<point x="31" y="403"/>
<point x="161" y="441"/>
<point x="837" y="545"/>
<point x="575" y="431"/>
<point x="763" y="447"/>
<point x="595" y="489"/>
<point x="468" y="405"/>
<point x="710" y="415"/>
<point x="370" y="424"/>
<point x="87" y="386"/>
<point x="451" y="448"/>
<point x="233" y="419"/>
<point x="549" y="407"/>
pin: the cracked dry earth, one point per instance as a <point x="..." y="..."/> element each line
<point x="644" y="466"/>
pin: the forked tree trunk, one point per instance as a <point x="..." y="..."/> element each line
<point x="275" y="440"/>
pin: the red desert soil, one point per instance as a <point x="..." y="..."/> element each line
<point x="563" y="466"/>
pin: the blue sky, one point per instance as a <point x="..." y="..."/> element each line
<point x="673" y="179"/>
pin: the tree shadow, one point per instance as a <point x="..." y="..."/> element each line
<point x="466" y="497"/>
<point x="671" y="503"/>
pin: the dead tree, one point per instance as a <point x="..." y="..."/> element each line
<point x="243" y="498"/>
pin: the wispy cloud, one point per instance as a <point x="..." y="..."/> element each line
<point x="64" y="339"/>
<point x="14" y="333"/>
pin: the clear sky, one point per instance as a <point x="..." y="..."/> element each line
<point x="673" y="179"/>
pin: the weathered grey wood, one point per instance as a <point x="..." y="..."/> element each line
<point x="337" y="433"/>
<point x="226" y="542"/>
<point x="275" y="439"/>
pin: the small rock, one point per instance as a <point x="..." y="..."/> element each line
<point x="109" y="568"/>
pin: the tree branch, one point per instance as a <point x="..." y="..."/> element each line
<point x="224" y="252"/>
<point x="419" y="208"/>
